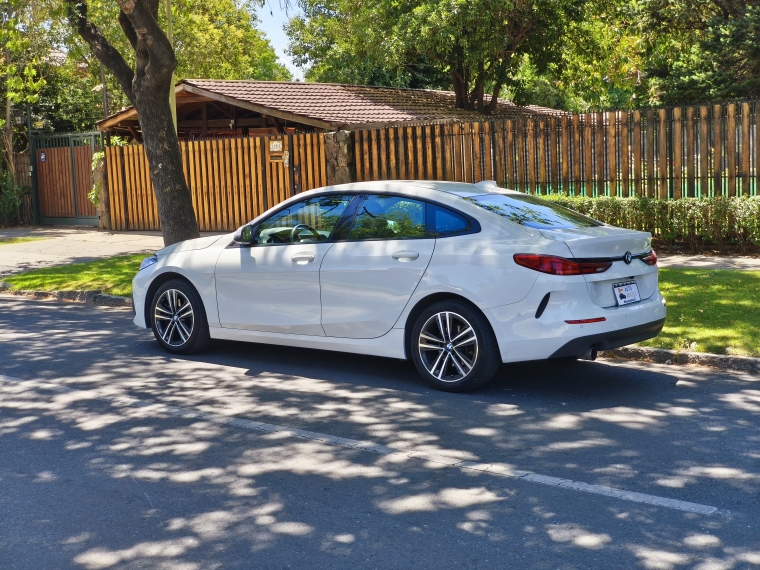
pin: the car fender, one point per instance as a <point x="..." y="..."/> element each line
<point x="197" y="269"/>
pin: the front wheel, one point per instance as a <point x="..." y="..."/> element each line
<point x="453" y="347"/>
<point x="178" y="318"/>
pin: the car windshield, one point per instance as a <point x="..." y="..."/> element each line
<point x="532" y="212"/>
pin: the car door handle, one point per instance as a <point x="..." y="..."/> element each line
<point x="404" y="256"/>
<point x="303" y="258"/>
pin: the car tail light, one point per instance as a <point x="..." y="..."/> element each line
<point x="585" y="321"/>
<point x="559" y="265"/>
<point x="650" y="258"/>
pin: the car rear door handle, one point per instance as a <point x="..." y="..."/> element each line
<point x="404" y="256"/>
<point x="303" y="258"/>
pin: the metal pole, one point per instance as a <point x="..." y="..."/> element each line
<point x="32" y="165"/>
<point x="169" y="35"/>
<point x="105" y="95"/>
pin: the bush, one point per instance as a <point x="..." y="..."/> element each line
<point x="692" y="221"/>
<point x="11" y="199"/>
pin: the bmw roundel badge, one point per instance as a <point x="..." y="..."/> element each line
<point x="628" y="258"/>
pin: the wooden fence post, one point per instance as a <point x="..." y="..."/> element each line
<point x="690" y="174"/>
<point x="662" y="159"/>
<point x="704" y="152"/>
<point x="677" y="143"/>
<point x="745" y="167"/>
<point x="717" y="150"/>
<point x="731" y="149"/>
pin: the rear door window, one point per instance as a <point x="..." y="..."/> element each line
<point x="532" y="212"/>
<point x="388" y="217"/>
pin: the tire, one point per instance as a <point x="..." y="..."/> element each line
<point x="452" y="366"/>
<point x="177" y="328"/>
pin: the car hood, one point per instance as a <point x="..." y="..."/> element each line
<point x="193" y="244"/>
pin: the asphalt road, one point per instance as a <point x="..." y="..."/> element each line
<point x="115" y="455"/>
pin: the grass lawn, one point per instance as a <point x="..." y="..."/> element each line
<point x="708" y="311"/>
<point x="8" y="241"/>
<point x="711" y="311"/>
<point x="112" y="276"/>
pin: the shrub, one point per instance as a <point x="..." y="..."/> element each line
<point x="692" y="221"/>
<point x="11" y="199"/>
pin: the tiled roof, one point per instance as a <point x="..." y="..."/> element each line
<point x="352" y="105"/>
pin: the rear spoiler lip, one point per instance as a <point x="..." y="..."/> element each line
<point x="612" y="259"/>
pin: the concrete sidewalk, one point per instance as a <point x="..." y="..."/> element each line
<point x="739" y="263"/>
<point x="64" y="245"/>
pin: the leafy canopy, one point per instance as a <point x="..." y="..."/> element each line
<point x="474" y="46"/>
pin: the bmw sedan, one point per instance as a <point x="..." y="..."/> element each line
<point x="457" y="277"/>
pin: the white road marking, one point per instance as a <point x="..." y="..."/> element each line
<point x="374" y="447"/>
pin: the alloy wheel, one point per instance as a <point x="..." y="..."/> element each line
<point x="174" y="317"/>
<point x="448" y="346"/>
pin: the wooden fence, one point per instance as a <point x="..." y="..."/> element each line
<point x="231" y="180"/>
<point x="668" y="153"/>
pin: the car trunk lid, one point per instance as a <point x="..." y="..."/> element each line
<point x="610" y="243"/>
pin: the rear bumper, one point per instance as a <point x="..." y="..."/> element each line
<point x="524" y="333"/>
<point x="609" y="340"/>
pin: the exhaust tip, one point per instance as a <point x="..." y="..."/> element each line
<point x="590" y="354"/>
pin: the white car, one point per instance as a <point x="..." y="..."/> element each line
<point x="456" y="277"/>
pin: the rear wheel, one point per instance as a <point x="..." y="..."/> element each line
<point x="453" y="347"/>
<point x="178" y="318"/>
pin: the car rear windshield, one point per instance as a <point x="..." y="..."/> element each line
<point x="532" y="212"/>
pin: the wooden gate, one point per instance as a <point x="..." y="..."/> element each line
<point x="63" y="178"/>
<point x="231" y="180"/>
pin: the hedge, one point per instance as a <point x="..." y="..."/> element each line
<point x="719" y="221"/>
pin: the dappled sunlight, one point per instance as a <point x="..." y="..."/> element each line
<point x="306" y="459"/>
<point x="98" y="558"/>
<point x="203" y="485"/>
<point x="653" y="559"/>
<point x="578" y="536"/>
<point x="746" y="400"/>
<point x="444" y="499"/>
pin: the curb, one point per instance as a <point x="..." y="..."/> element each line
<point x="664" y="356"/>
<point x="91" y="297"/>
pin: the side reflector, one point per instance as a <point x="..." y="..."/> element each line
<point x="650" y="258"/>
<point x="554" y="265"/>
<point x="584" y="321"/>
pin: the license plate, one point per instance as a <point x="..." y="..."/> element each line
<point x="626" y="293"/>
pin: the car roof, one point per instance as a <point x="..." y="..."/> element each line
<point x="459" y="189"/>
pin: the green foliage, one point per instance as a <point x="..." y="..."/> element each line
<point x="11" y="198"/>
<point x="701" y="49"/>
<point x="478" y="44"/>
<point x="216" y="39"/>
<point x="696" y="222"/>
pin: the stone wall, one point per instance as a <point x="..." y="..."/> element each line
<point x="339" y="155"/>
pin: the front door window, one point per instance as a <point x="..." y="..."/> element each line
<point x="309" y="221"/>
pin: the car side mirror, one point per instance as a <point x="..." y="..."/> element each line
<point x="244" y="235"/>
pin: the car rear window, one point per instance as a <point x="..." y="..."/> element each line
<point x="532" y="212"/>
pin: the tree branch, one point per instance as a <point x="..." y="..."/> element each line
<point x="152" y="43"/>
<point x="105" y="52"/>
<point x="129" y="31"/>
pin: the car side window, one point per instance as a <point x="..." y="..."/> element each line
<point x="309" y="221"/>
<point x="388" y="217"/>
<point x="443" y="222"/>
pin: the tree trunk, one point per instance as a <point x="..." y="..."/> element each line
<point x="147" y="87"/>
<point x="175" y="205"/>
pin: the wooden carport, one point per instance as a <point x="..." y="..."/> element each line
<point x="202" y="113"/>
